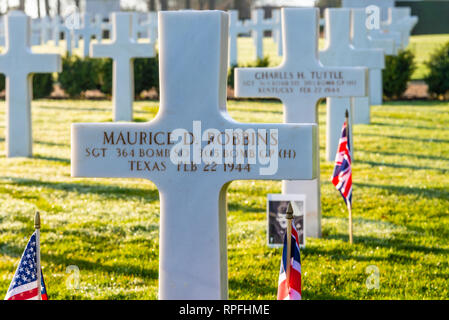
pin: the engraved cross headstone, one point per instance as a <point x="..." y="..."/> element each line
<point x="61" y="28"/>
<point x="123" y="49"/>
<point x="362" y="39"/>
<point x="236" y="27"/>
<point x="258" y="26"/>
<point x="193" y="72"/>
<point x="299" y="82"/>
<point x="18" y="63"/>
<point x="88" y="30"/>
<point x="340" y="52"/>
<point x="277" y="30"/>
<point x="359" y="37"/>
<point x="401" y="21"/>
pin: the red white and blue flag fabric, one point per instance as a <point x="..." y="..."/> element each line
<point x="342" y="176"/>
<point x="290" y="290"/>
<point x="24" y="284"/>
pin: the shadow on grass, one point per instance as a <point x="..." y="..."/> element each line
<point x="248" y="285"/>
<point x="401" y="166"/>
<point x="432" y="193"/>
<point x="54" y="159"/>
<point x="414" y="139"/>
<point x="416" y="103"/>
<point x="52" y="144"/>
<point x="238" y="207"/>
<point x="382" y="124"/>
<point x="110" y="191"/>
<point x="397" y="244"/>
<point x="409" y="155"/>
<point x="85" y="265"/>
<point x="87" y="109"/>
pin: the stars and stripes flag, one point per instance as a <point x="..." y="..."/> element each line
<point x="290" y="290"/>
<point x="342" y="176"/>
<point x="24" y="284"/>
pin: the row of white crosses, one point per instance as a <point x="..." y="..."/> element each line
<point x="91" y="26"/>
<point x="193" y="241"/>
<point x="18" y="63"/>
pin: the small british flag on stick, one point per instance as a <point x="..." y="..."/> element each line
<point x="289" y="284"/>
<point x="342" y="176"/>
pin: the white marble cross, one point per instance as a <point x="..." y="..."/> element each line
<point x="2" y="31"/>
<point x="56" y="22"/>
<point x="258" y="26"/>
<point x="193" y="67"/>
<point x="340" y="52"/>
<point x="401" y="21"/>
<point x="60" y="27"/>
<point x="236" y="27"/>
<point x="99" y="23"/>
<point x="88" y="30"/>
<point x="383" y="5"/>
<point x="36" y="32"/>
<point x="123" y="50"/>
<point x="46" y="29"/>
<point x="360" y="40"/>
<point x="299" y="82"/>
<point x="138" y="28"/>
<point x="150" y="25"/>
<point x="277" y="30"/>
<point x="18" y="64"/>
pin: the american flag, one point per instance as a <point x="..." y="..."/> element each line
<point x="342" y="176"/>
<point x="291" y="290"/>
<point x="24" y="284"/>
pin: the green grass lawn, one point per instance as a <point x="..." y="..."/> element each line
<point x="108" y="228"/>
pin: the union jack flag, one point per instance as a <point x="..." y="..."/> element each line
<point x="24" y="284"/>
<point x="342" y="176"/>
<point x="291" y="290"/>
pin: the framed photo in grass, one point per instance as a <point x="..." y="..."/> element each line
<point x="276" y="216"/>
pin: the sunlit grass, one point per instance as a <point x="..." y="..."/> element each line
<point x="108" y="228"/>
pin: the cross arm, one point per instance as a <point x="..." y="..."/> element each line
<point x="98" y="50"/>
<point x="44" y="63"/>
<point x="142" y="50"/>
<point x="143" y="151"/>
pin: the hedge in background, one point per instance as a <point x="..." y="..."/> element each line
<point x="2" y="82"/>
<point x="79" y="75"/>
<point x="438" y="77"/>
<point x="88" y="74"/>
<point x="146" y="74"/>
<point x="398" y="72"/>
<point x="105" y="75"/>
<point x="42" y="85"/>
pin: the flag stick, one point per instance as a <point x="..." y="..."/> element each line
<point x="347" y="201"/>
<point x="289" y="241"/>
<point x="350" y="223"/>
<point x="37" y="226"/>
